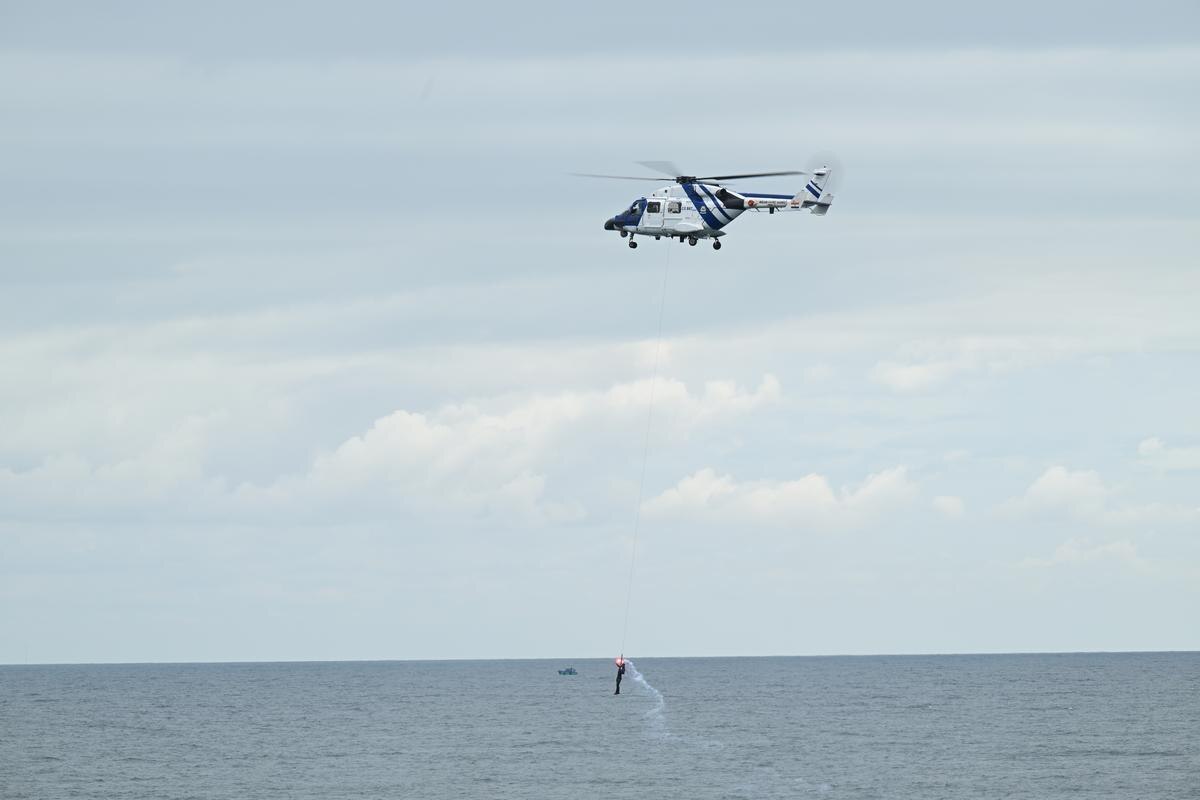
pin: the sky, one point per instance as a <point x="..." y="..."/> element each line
<point x="312" y="348"/>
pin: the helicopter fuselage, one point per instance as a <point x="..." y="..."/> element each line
<point x="692" y="211"/>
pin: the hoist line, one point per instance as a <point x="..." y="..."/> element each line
<point x="637" y="512"/>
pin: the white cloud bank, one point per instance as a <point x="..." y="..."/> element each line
<point x="1080" y="551"/>
<point x="479" y="458"/>
<point x="1079" y="492"/>
<point x="1155" y="453"/>
<point x="372" y="101"/>
<point x="1083" y="495"/>
<point x="708" y="497"/>
<point x="949" y="506"/>
<point x="492" y="458"/>
<point x="926" y="364"/>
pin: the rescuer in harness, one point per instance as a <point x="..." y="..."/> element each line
<point x="620" y="672"/>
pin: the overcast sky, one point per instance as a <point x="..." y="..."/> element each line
<point x="310" y="348"/>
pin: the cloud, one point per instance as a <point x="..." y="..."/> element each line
<point x="911" y="377"/>
<point x="167" y="474"/>
<point x="492" y="458"/>
<point x="371" y="101"/>
<point x="929" y="363"/>
<point x="1080" y="551"/>
<point x="1155" y="453"/>
<point x="1080" y="492"/>
<point x="1083" y="495"/>
<point x="949" y="506"/>
<point x="708" y="497"/>
<point x="478" y="457"/>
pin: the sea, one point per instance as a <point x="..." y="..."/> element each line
<point x="956" y="726"/>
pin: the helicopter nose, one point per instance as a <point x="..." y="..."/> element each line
<point x="609" y="225"/>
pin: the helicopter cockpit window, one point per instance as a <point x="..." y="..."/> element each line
<point x="674" y="207"/>
<point x="653" y="207"/>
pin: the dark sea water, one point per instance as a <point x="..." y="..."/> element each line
<point x="1026" y="726"/>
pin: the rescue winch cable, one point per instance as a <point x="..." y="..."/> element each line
<point x="637" y="512"/>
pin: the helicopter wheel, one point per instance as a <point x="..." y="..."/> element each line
<point x="717" y="245"/>
<point x="624" y="234"/>
<point x="656" y="238"/>
<point x="632" y="244"/>
<point x="692" y="241"/>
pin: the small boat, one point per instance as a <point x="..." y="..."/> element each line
<point x="568" y="671"/>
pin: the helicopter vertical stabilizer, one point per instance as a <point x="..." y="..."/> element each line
<point x="816" y="196"/>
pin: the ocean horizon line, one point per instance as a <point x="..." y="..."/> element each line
<point x="562" y="659"/>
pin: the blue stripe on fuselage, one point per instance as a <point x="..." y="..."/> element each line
<point x="698" y="201"/>
<point x="718" y="210"/>
<point x="766" y="196"/>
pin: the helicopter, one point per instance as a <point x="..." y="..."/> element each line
<point x="698" y="208"/>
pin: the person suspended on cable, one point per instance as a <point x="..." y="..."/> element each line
<point x="620" y="671"/>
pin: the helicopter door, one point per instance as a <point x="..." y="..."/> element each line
<point x="674" y="213"/>
<point x="653" y="216"/>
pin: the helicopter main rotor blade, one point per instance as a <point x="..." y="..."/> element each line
<point x="751" y="175"/>
<point x="616" y="177"/>
<point x="665" y="167"/>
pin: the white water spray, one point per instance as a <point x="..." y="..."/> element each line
<point x="655" y="716"/>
